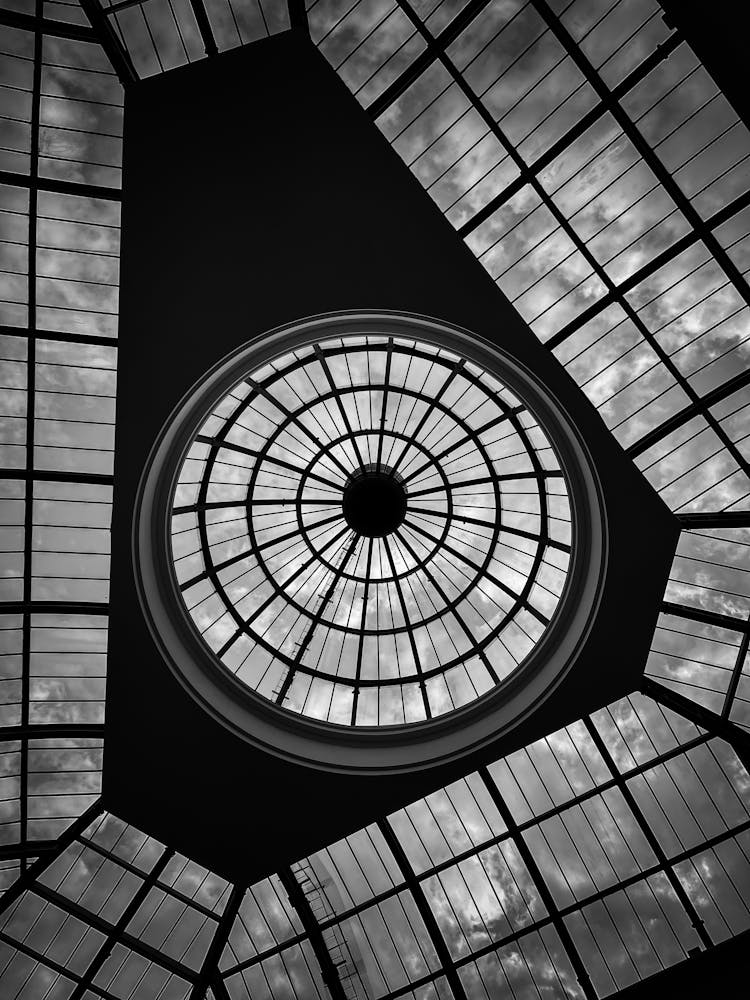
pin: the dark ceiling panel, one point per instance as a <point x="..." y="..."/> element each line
<point x="287" y="204"/>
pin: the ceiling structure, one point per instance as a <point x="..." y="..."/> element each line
<point x="447" y="480"/>
<point x="598" y="174"/>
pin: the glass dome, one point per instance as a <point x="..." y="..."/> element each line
<point x="370" y="530"/>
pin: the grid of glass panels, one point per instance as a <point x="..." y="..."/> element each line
<point x="61" y="121"/>
<point x="574" y="867"/>
<point x="308" y="608"/>
<point x="602" y="179"/>
<point x="114" y="915"/>
<point x="153" y="36"/>
<point x="700" y="648"/>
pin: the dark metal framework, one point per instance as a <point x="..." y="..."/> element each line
<point x="330" y="622"/>
<point x="677" y="401"/>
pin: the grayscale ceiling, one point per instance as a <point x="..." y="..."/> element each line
<point x="596" y="171"/>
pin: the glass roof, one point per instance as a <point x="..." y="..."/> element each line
<point x="307" y="595"/>
<point x="600" y="178"/>
<point x="575" y="867"/>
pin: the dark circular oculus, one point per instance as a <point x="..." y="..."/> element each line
<point x="374" y="501"/>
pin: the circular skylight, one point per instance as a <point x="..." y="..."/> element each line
<point x="370" y="530"/>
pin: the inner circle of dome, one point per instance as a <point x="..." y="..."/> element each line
<point x="382" y="574"/>
<point x="416" y="612"/>
<point x="374" y="501"/>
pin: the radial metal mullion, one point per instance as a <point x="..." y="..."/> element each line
<point x="509" y="477"/>
<point x="409" y="630"/>
<point x="498" y="583"/>
<point x="292" y="419"/>
<point x="451" y="516"/>
<point x="277" y="589"/>
<point x="475" y="435"/>
<point x="454" y="371"/>
<point x="212" y="570"/>
<point x="262" y="457"/>
<point x="361" y="642"/>
<point x="317" y="619"/>
<point x="541" y="886"/>
<point x="720" y="519"/>
<point x="337" y="393"/>
<point x="453" y="605"/>
<point x="386" y="386"/>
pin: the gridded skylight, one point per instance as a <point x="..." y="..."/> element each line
<point x="371" y="531"/>
<point x="576" y="866"/>
<point x="601" y="178"/>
